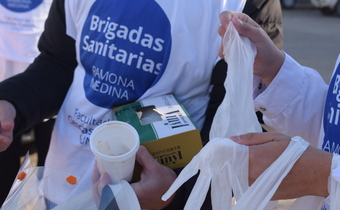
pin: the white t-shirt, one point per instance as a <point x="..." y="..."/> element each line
<point x="126" y="51"/>
<point x="21" y="24"/>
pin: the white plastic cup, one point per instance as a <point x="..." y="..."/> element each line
<point x="115" y="144"/>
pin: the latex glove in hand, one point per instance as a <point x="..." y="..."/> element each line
<point x="225" y="164"/>
<point x="309" y="175"/>
<point x="155" y="180"/>
<point x="217" y="160"/>
<point x="264" y="149"/>
<point x="269" y="58"/>
<point x="7" y="116"/>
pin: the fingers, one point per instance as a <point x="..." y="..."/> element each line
<point x="6" y="135"/>
<point x="240" y="20"/>
<point x="264" y="149"/>
<point x="155" y="181"/>
<point x="103" y="181"/>
<point x="7" y="115"/>
<point x="243" y="24"/>
<point x="259" y="138"/>
<point x="96" y="173"/>
<point x="99" y="182"/>
<point x="269" y="58"/>
<point x="244" y="28"/>
<point x="6" y="132"/>
<point x="145" y="159"/>
<point x="225" y="18"/>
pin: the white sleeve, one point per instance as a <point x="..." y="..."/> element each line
<point x="293" y="103"/>
<point x="336" y="168"/>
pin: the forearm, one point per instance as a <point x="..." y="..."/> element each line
<point x="38" y="92"/>
<point x="309" y="176"/>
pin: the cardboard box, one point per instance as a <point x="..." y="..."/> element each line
<point x="165" y="129"/>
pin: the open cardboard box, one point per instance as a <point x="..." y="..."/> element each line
<point x="165" y="129"/>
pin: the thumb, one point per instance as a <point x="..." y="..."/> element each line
<point x="144" y="158"/>
<point x="243" y="28"/>
<point x="7" y="115"/>
<point x="252" y="138"/>
<point x="249" y="28"/>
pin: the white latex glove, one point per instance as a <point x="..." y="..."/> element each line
<point x="216" y="163"/>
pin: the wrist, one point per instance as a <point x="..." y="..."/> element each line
<point x="272" y="68"/>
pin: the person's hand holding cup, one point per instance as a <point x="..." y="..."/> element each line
<point x="115" y="144"/>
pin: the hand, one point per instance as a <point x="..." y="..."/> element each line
<point x="269" y="58"/>
<point x="309" y="175"/>
<point x="155" y="181"/>
<point x="7" y="116"/>
<point x="99" y="182"/>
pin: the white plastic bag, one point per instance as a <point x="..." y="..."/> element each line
<point x="26" y="193"/>
<point x="30" y="192"/>
<point x="214" y="166"/>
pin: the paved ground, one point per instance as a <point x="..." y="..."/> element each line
<point x="311" y="38"/>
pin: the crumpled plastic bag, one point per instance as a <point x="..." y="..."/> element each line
<point x="214" y="165"/>
<point x="224" y="163"/>
<point x="30" y="193"/>
<point x="25" y="193"/>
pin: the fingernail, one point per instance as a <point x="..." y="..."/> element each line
<point x="235" y="138"/>
<point x="240" y="22"/>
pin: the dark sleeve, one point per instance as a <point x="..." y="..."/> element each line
<point x="38" y="92"/>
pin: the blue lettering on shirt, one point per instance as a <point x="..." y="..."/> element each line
<point x="331" y="119"/>
<point x="20" y="5"/>
<point x="124" y="49"/>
